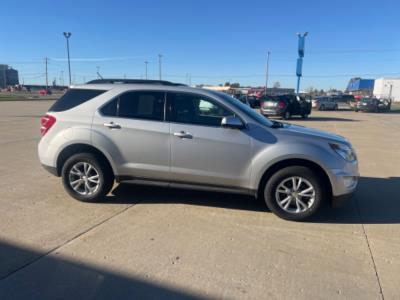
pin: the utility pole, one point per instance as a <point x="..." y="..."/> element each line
<point x="145" y="64"/>
<point x="67" y="36"/>
<point x="266" y="72"/>
<point x="47" y="79"/>
<point x="159" y="65"/>
<point x="98" y="73"/>
<point x="62" y="78"/>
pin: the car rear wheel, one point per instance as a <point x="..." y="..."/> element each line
<point x="86" y="177"/>
<point x="322" y="107"/>
<point x="294" y="193"/>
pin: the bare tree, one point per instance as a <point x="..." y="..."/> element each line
<point x="277" y="85"/>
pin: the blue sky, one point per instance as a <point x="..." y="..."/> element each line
<point x="213" y="41"/>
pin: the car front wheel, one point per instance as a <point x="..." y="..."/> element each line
<point x="286" y="115"/>
<point x="294" y="193"/>
<point x="86" y="177"/>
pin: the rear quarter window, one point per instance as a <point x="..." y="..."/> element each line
<point x="73" y="98"/>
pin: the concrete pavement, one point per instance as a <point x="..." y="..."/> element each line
<point x="159" y="243"/>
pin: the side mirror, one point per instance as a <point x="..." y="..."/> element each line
<point x="232" y="122"/>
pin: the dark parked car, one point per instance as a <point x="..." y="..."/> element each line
<point x="373" y="105"/>
<point x="243" y="99"/>
<point x="253" y="101"/>
<point x="285" y="106"/>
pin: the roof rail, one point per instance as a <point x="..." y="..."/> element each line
<point x="134" y="81"/>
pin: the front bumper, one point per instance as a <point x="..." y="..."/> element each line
<point x="344" y="182"/>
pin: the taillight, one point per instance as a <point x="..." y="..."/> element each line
<point x="281" y="104"/>
<point x="46" y="122"/>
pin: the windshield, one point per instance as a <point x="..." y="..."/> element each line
<point x="245" y="109"/>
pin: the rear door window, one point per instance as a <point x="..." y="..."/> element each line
<point x="73" y="98"/>
<point x="146" y="105"/>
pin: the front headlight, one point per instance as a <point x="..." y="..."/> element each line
<point x="346" y="152"/>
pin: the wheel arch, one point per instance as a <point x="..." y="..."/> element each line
<point x="294" y="162"/>
<point x="70" y="150"/>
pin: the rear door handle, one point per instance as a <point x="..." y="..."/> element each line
<point x="183" y="135"/>
<point x="112" y="125"/>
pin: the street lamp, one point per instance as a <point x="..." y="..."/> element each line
<point x="299" y="68"/>
<point x="67" y="36"/>
<point x="159" y="65"/>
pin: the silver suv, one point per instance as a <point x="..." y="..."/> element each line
<point x="157" y="132"/>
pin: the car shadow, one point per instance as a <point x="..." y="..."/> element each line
<point x="376" y="201"/>
<point x="128" y="193"/>
<point x="396" y="111"/>
<point x="322" y="119"/>
<point x="314" y="119"/>
<point x="28" y="273"/>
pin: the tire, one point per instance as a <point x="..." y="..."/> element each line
<point x="322" y="107"/>
<point x="336" y="107"/>
<point x="304" y="116"/>
<point x="82" y="169"/>
<point x="307" y="206"/>
<point x="286" y="115"/>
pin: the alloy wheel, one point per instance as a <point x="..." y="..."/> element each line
<point x="84" y="178"/>
<point x="295" y="194"/>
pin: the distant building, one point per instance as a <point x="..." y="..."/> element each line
<point x="279" y="91"/>
<point x="8" y="76"/>
<point x="359" y="86"/>
<point x="387" y="88"/>
<point x="217" y="88"/>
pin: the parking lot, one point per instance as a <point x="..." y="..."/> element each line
<point x="159" y="243"/>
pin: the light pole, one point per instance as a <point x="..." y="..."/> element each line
<point x="266" y="72"/>
<point x="67" y="36"/>
<point x="159" y="65"/>
<point x="145" y="64"/>
<point x="299" y="68"/>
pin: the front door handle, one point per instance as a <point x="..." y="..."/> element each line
<point x="112" y="125"/>
<point x="183" y="135"/>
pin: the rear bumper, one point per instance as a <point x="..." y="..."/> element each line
<point x="270" y="112"/>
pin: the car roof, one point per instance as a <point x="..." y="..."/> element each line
<point x="152" y="86"/>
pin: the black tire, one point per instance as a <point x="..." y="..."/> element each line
<point x="104" y="171"/>
<point x="286" y="115"/>
<point x="270" y="189"/>
<point x="322" y="107"/>
<point x="304" y="116"/>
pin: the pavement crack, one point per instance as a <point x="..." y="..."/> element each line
<point x="369" y="249"/>
<point x="65" y="243"/>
